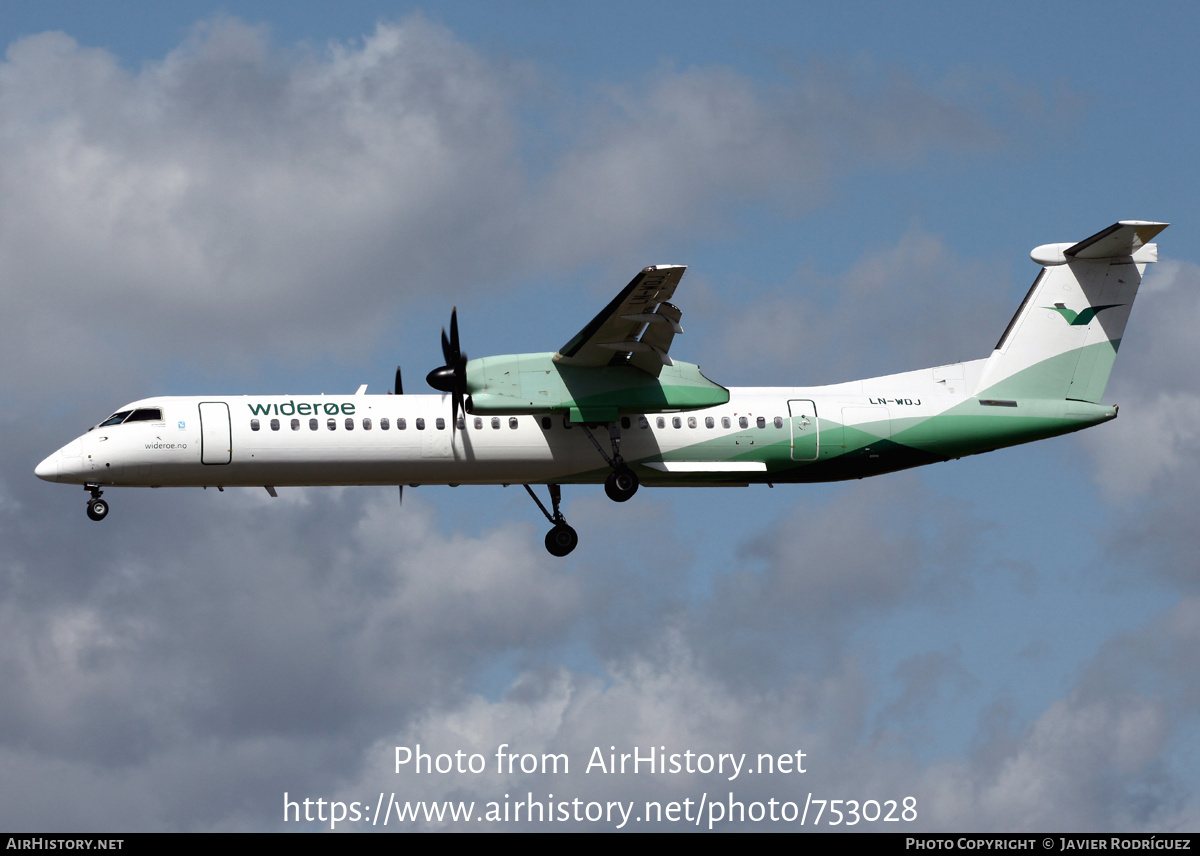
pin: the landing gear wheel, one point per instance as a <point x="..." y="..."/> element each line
<point x="97" y="509"/>
<point x="561" y="540"/>
<point x="621" y="484"/>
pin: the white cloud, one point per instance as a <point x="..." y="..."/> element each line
<point x="1151" y="446"/>
<point x="904" y="307"/>
<point x="287" y="202"/>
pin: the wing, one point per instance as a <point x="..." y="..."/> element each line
<point x="635" y="329"/>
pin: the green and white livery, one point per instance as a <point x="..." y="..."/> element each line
<point x="613" y="407"/>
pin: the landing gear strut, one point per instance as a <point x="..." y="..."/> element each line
<point x="97" y="508"/>
<point x="622" y="482"/>
<point x="562" y="539"/>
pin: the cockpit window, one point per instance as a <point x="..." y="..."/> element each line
<point x="142" y="414"/>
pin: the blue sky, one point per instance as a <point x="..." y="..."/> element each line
<point x="263" y="197"/>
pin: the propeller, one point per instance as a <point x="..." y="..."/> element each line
<point x="452" y="377"/>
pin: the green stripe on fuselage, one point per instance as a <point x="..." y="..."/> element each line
<point x="1080" y="373"/>
<point x="857" y="451"/>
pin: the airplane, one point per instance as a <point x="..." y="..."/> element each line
<point x="612" y="406"/>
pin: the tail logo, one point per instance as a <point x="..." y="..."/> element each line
<point x="1083" y="318"/>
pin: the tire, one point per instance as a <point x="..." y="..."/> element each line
<point x="97" y="509"/>
<point x="561" y="540"/>
<point x="621" y="484"/>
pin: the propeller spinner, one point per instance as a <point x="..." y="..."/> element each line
<point x="452" y="377"/>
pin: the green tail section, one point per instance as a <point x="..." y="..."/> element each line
<point x="1063" y="341"/>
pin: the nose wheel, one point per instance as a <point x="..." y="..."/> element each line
<point x="562" y="539"/>
<point x="97" y="508"/>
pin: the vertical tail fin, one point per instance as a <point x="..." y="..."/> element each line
<point x="1063" y="340"/>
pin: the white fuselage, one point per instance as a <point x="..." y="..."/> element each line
<point x="388" y="439"/>
<point x="762" y="434"/>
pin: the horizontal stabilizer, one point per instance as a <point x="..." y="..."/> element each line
<point x="1120" y="239"/>
<point x="1128" y="239"/>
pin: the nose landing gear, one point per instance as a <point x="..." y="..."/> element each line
<point x="97" y="508"/>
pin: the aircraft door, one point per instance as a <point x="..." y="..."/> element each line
<point x="805" y="442"/>
<point x="216" y="443"/>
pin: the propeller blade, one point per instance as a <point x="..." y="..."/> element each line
<point x="452" y="377"/>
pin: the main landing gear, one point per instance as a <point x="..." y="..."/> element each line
<point x="622" y="482"/>
<point x="97" y="508"/>
<point x="562" y="539"/>
<point x="621" y="485"/>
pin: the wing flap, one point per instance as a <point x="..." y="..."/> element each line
<point x="707" y="466"/>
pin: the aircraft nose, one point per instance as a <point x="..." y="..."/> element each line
<point x="65" y="465"/>
<point x="48" y="469"/>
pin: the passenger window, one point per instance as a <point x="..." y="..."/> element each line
<point x="462" y="423"/>
<point x="691" y="421"/>
<point x="420" y="424"/>
<point x="253" y="424"/>
<point x="546" y="422"/>
<point x="401" y="424"/>
<point x="743" y="422"/>
<point x="778" y="421"/>
<point x="762" y="422"/>
<point x="366" y="424"/>
<point x="643" y="422"/>
<point x="274" y="424"/>
<point x="295" y="424"/>
<point x="661" y="422"/>
<point x="478" y="423"/>
<point x="495" y="421"/>
<point x="512" y="422"/>
<point x="441" y="424"/>
<point x="349" y="424"/>
<point x="676" y="421"/>
<point x="724" y="421"/>
<point x="331" y="424"/>
<point x="312" y="424"/>
<point x="384" y="424"/>
<point x="625" y="423"/>
<point x="708" y="422"/>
